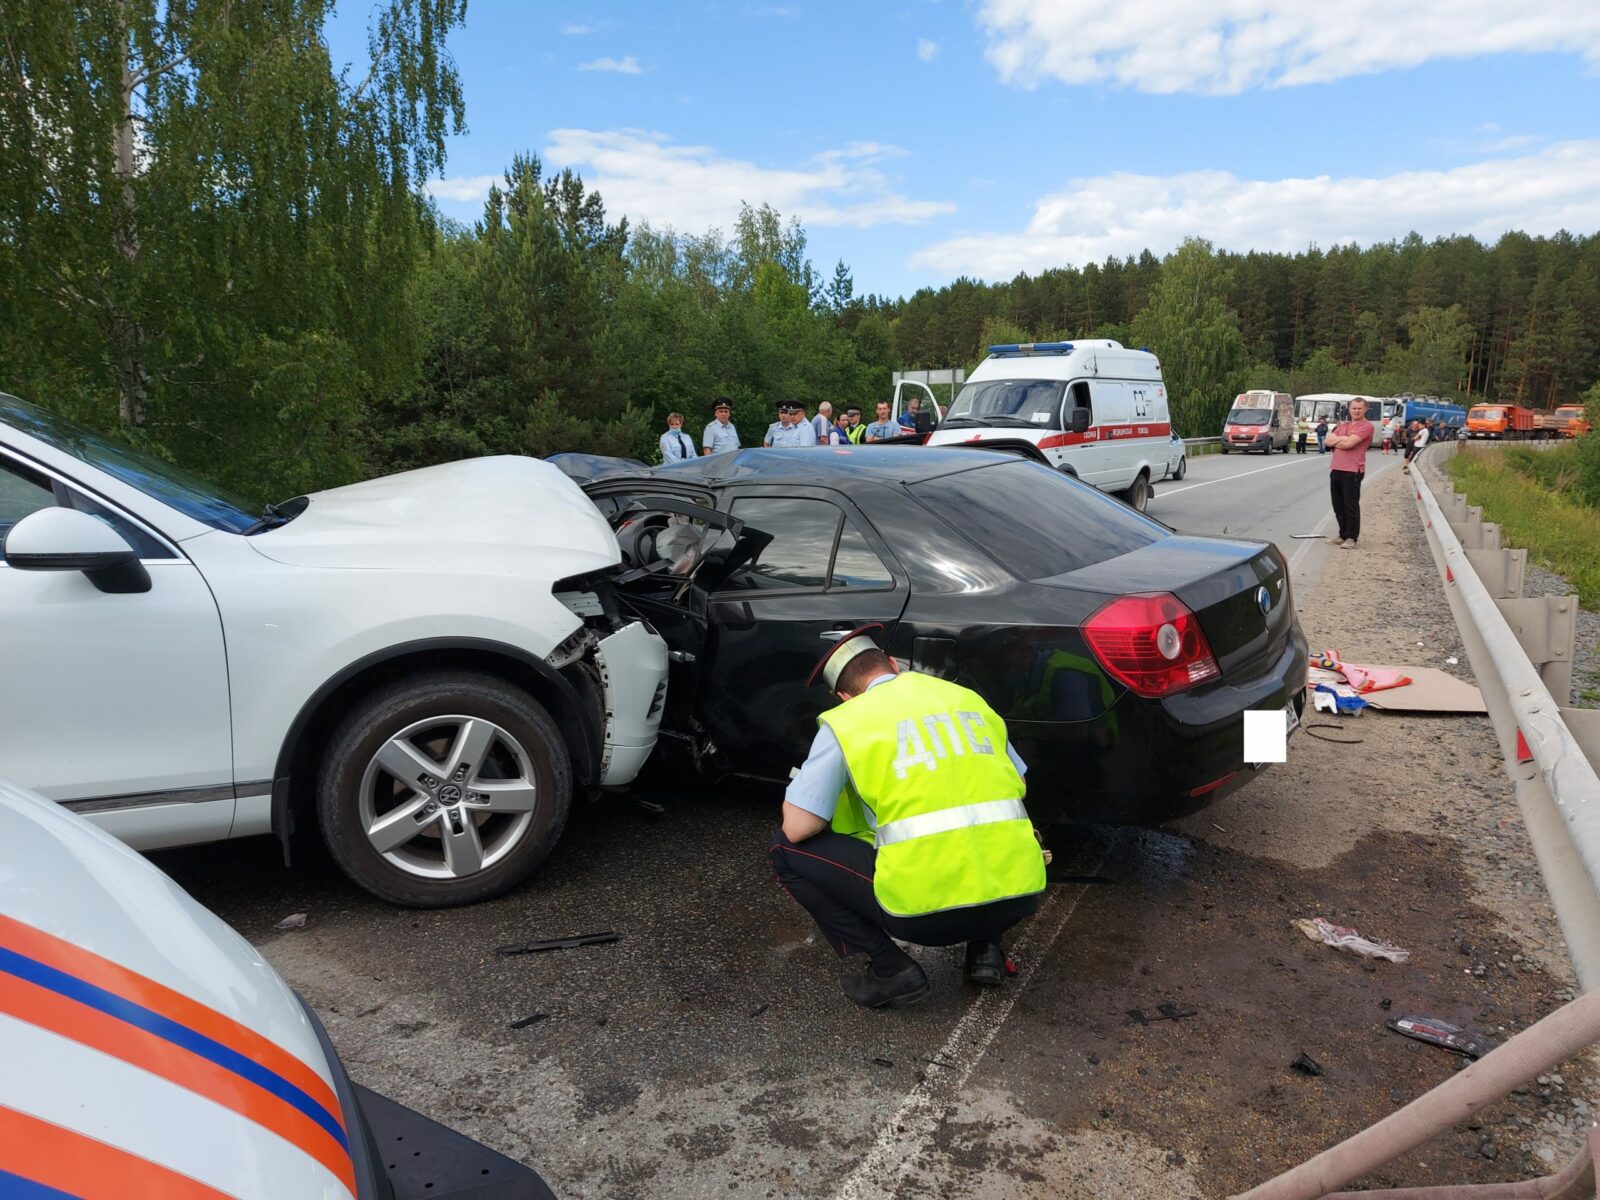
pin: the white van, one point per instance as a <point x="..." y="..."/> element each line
<point x="1091" y="409"/>
<point x="1259" y="420"/>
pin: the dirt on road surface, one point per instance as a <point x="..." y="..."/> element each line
<point x="710" y="1053"/>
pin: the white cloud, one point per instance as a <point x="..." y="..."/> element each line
<point x="1121" y="214"/>
<point x="691" y="188"/>
<point x="572" y="29"/>
<point x="927" y="50"/>
<point x="624" y="66"/>
<point x="465" y="188"/>
<point x="1226" y="46"/>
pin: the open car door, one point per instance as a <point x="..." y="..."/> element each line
<point x="668" y="542"/>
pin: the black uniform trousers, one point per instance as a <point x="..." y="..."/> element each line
<point x="1345" y="487"/>
<point x="830" y="875"/>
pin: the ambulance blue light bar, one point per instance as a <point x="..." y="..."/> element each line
<point x="1031" y="348"/>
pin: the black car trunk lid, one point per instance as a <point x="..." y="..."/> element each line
<point x="1238" y="590"/>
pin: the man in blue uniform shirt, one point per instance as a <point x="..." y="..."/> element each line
<point x="720" y="435"/>
<point x="792" y="428"/>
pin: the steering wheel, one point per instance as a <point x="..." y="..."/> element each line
<point x="637" y="539"/>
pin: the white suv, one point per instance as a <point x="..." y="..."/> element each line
<point x="424" y="666"/>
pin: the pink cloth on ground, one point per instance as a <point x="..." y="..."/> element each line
<point x="1355" y="458"/>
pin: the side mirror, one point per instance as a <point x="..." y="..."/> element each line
<point x="64" y="539"/>
<point x="1080" y="420"/>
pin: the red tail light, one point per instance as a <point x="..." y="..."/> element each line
<point x="1152" y="643"/>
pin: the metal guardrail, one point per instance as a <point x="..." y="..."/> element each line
<point x="1201" y="441"/>
<point x="1521" y="651"/>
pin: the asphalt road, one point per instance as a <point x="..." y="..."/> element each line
<point x="709" y="1052"/>
<point x="1269" y="496"/>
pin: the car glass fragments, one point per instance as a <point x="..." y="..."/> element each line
<point x="1010" y="402"/>
<point x="1035" y="522"/>
<point x="173" y="486"/>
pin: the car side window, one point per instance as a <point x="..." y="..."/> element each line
<point x="803" y="534"/>
<point x="21" y="492"/>
<point x="814" y="547"/>
<point x="1078" y="397"/>
<point x="24" y="490"/>
<point x="855" y="564"/>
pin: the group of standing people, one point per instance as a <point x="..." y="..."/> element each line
<point x="1401" y="437"/>
<point x="794" y="428"/>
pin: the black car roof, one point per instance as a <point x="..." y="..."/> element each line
<point x="825" y="465"/>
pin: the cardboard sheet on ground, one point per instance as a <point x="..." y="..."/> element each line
<point x="1430" y="690"/>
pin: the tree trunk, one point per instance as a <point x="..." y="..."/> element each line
<point x="133" y="376"/>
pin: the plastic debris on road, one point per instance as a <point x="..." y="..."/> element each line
<point x="293" y="921"/>
<point x="1342" y="937"/>
<point x="1336" y="698"/>
<point x="1306" y="1065"/>
<point x="1441" y="1033"/>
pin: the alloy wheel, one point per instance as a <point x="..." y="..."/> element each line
<point x="447" y="797"/>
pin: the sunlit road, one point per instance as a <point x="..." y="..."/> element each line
<point x="1273" y="497"/>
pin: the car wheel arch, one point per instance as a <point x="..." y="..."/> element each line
<point x="569" y="701"/>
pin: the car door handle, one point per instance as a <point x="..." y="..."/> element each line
<point x="834" y="635"/>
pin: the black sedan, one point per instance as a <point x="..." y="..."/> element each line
<point x="1122" y="655"/>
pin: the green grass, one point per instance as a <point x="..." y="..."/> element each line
<point x="1531" y="495"/>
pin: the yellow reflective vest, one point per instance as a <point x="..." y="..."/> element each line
<point x="928" y="757"/>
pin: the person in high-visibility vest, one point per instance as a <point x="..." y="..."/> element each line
<point x="906" y="821"/>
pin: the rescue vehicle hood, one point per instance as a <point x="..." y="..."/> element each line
<point x="145" y="1024"/>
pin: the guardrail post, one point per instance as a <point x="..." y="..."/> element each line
<point x="1501" y="571"/>
<point x="1546" y="628"/>
<point x="1585" y="726"/>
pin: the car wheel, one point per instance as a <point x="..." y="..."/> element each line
<point x="1222" y="449"/>
<point x="1138" y="496"/>
<point x="1183" y="467"/>
<point x="447" y="788"/>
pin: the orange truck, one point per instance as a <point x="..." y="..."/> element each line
<point x="1573" y="420"/>
<point x="1500" y="421"/>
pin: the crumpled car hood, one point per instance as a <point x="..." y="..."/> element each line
<point x="505" y="512"/>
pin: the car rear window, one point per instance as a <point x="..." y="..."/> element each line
<point x="1036" y="522"/>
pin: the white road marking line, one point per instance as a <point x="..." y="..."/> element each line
<point x="1300" y="551"/>
<point x="1164" y="493"/>
<point x="906" y="1136"/>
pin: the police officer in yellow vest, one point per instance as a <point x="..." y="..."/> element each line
<point x="907" y="822"/>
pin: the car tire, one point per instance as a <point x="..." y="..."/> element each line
<point x="1222" y="449"/>
<point x="1183" y="467"/>
<point x="1137" y="497"/>
<point x="511" y="826"/>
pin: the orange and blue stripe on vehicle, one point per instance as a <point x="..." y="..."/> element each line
<point x="42" y="1161"/>
<point x="76" y="994"/>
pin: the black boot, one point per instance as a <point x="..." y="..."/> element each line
<point x="986" y="963"/>
<point x="871" y="990"/>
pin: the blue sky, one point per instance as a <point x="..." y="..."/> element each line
<point x="923" y="140"/>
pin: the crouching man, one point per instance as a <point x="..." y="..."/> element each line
<point x="907" y="822"/>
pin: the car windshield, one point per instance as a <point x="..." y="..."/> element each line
<point x="162" y="481"/>
<point x="1035" y="522"/>
<point x="1569" y="410"/>
<point x="1489" y="414"/>
<point x="1028" y="403"/>
<point x="1248" y="416"/>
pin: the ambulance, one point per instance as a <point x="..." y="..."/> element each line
<point x="1092" y="409"/>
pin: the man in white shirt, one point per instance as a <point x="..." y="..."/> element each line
<point x="676" y="445"/>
